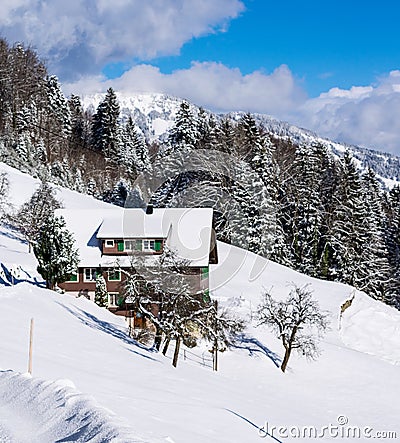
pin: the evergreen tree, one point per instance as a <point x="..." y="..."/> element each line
<point x="392" y="210"/>
<point x="118" y="195"/>
<point x="207" y="130"/>
<point x="78" y="136"/>
<point x="376" y="274"/>
<point x="101" y="294"/>
<point x="32" y="214"/>
<point x="58" y="105"/>
<point x="305" y="210"/>
<point x="55" y="251"/>
<point x="249" y="138"/>
<point x="348" y="233"/>
<point x="106" y="133"/>
<point x="134" y="154"/>
<point x="184" y="134"/>
<point x="226" y="135"/>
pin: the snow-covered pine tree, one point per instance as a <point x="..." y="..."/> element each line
<point x="100" y="293"/>
<point x="56" y="119"/>
<point x="32" y="214"/>
<point x="226" y="135"/>
<point x="58" y="105"/>
<point x="184" y="134"/>
<point x="55" y="251"/>
<point x="127" y="155"/>
<point x="348" y="232"/>
<point x="392" y="210"/>
<point x="376" y="275"/>
<point x="106" y="131"/>
<point x="134" y="153"/>
<point x="249" y="139"/>
<point x="78" y="136"/>
<point x="118" y="194"/>
<point x="206" y="130"/>
<point x="305" y="212"/>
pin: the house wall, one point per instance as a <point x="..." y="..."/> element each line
<point x="196" y="277"/>
<point x="90" y="286"/>
<point x="106" y="250"/>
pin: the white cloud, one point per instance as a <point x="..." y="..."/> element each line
<point x="211" y="85"/>
<point x="82" y="36"/>
<point x="361" y="115"/>
<point x="365" y="116"/>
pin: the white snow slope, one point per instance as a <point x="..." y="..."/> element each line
<point x="91" y="382"/>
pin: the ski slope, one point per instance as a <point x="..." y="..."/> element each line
<point x="91" y="382"/>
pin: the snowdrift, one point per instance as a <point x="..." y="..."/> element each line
<point x="37" y="411"/>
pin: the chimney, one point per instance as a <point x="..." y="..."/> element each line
<point x="149" y="209"/>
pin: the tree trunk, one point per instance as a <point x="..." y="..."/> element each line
<point x="166" y="344"/>
<point x="215" y="355"/>
<point x="286" y="358"/>
<point x="158" y="338"/>
<point x="176" y="352"/>
<point x="288" y="347"/>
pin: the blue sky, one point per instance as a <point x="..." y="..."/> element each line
<point x="324" y="43"/>
<point x="330" y="66"/>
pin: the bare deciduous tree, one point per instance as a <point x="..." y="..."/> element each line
<point x="297" y="321"/>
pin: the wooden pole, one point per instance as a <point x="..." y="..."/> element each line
<point x="30" y="346"/>
<point x="215" y="355"/>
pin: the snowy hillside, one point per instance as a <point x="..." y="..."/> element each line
<point x="155" y="115"/>
<point x="91" y="382"/>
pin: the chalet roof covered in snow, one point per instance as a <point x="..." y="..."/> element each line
<point x="188" y="231"/>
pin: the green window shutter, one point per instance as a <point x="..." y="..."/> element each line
<point x="114" y="276"/>
<point x="120" y="246"/>
<point x="73" y="277"/>
<point x="204" y="273"/>
<point x="157" y="245"/>
<point x="206" y="296"/>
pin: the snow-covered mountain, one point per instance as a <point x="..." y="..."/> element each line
<point x="155" y="114"/>
<point x="92" y="382"/>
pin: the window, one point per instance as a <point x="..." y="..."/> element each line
<point x="73" y="278"/>
<point x="130" y="245"/>
<point x="113" y="298"/>
<point x="133" y="245"/>
<point x="109" y="243"/>
<point x="114" y="275"/>
<point x="148" y="245"/>
<point x="89" y="274"/>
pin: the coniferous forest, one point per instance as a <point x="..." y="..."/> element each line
<point x="296" y="203"/>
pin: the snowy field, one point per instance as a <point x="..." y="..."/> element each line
<point x="91" y="382"/>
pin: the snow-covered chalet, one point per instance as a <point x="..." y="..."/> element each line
<point x="110" y="240"/>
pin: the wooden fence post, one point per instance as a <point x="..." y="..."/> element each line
<point x="30" y="347"/>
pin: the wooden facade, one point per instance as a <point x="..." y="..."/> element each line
<point x="121" y="247"/>
<point x="84" y="283"/>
